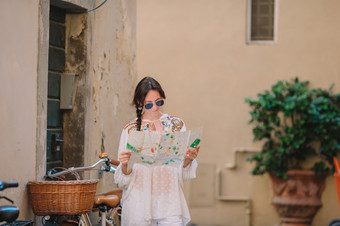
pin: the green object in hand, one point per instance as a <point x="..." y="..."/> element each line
<point x="195" y="143"/>
<point x="131" y="148"/>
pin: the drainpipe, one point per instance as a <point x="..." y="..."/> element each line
<point x="226" y="198"/>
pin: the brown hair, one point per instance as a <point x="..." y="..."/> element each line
<point x="142" y="89"/>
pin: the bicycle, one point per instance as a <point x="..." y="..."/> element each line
<point x="336" y="222"/>
<point x="8" y="213"/>
<point x="108" y="203"/>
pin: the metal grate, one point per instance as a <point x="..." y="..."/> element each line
<point x="262" y="20"/>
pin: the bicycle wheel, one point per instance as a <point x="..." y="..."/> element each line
<point x="116" y="220"/>
<point x="335" y="222"/>
<point x="85" y="220"/>
<point x="113" y="216"/>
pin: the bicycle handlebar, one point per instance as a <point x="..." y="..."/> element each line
<point x="103" y="159"/>
<point x="5" y="184"/>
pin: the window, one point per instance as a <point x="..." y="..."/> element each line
<point x="262" y="16"/>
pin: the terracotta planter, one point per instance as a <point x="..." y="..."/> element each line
<point x="298" y="198"/>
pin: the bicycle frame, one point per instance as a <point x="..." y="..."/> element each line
<point x="105" y="163"/>
<point x="336" y="222"/>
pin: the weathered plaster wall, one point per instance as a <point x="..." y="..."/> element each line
<point x="76" y="60"/>
<point x="101" y="50"/>
<point x="42" y="81"/>
<point x="18" y="97"/>
<point x="112" y="74"/>
<point x="197" y="50"/>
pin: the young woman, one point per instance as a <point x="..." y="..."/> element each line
<point x="153" y="195"/>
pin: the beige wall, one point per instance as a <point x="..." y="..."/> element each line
<point x="113" y="74"/>
<point x="109" y="74"/>
<point x="197" y="50"/>
<point x="18" y="96"/>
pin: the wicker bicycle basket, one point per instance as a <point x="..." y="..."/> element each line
<point x="62" y="197"/>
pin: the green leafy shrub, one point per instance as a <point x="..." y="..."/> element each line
<point x="295" y="123"/>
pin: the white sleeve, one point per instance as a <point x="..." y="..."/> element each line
<point x="189" y="172"/>
<point x="119" y="177"/>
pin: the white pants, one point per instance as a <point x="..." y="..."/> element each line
<point x="169" y="221"/>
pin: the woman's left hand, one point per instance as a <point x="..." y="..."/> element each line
<point x="190" y="155"/>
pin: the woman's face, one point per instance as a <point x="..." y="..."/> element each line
<point x="151" y="98"/>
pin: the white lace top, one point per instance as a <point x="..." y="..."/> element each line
<point x="153" y="192"/>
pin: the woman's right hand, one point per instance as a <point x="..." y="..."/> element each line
<point x="124" y="158"/>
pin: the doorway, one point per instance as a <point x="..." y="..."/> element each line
<point x="56" y="67"/>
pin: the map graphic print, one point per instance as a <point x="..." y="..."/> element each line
<point x="153" y="149"/>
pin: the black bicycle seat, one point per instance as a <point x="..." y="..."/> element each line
<point x="9" y="213"/>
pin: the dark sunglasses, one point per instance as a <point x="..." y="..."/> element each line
<point x="159" y="103"/>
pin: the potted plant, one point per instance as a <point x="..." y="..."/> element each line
<point x="298" y="126"/>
